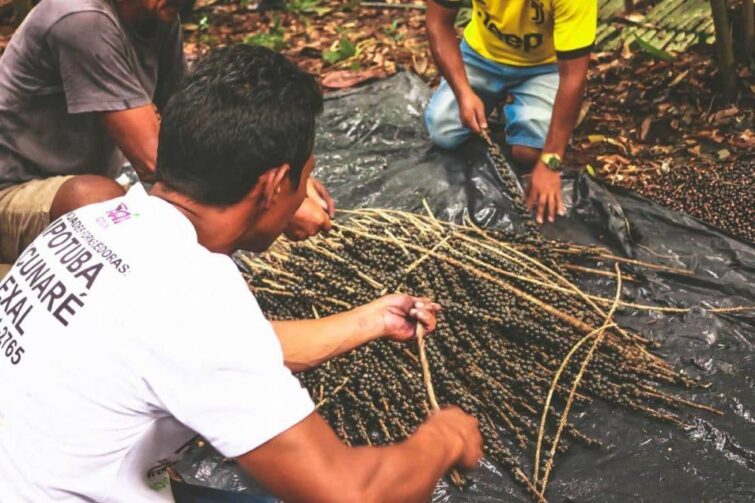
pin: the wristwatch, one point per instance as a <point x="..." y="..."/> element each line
<point x="552" y="161"/>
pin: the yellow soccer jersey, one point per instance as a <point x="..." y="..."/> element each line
<point x="530" y="32"/>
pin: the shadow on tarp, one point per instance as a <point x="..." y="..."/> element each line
<point x="372" y="151"/>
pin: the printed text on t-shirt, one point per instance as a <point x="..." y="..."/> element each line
<point x="61" y="292"/>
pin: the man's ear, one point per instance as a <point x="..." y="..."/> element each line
<point x="273" y="181"/>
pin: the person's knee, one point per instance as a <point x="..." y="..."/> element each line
<point x="440" y="133"/>
<point x="446" y="141"/>
<point x="442" y="120"/>
<point x="83" y="190"/>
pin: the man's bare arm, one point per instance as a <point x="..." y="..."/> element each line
<point x="135" y="132"/>
<point x="308" y="343"/>
<point x="545" y="186"/>
<point x="444" y="46"/>
<point x="309" y="463"/>
<point x="571" y="88"/>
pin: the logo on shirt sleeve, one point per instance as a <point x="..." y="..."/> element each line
<point x="117" y="215"/>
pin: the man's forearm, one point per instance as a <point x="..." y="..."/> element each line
<point x="444" y="46"/>
<point x="135" y="131"/>
<point x="385" y="469"/>
<point x="571" y="88"/>
<point x="308" y="343"/>
<point x="309" y="463"/>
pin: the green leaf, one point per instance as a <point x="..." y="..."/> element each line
<point x="652" y="50"/>
<point x="273" y="41"/>
<point x="331" y="56"/>
<point x="345" y="50"/>
<point x="308" y="7"/>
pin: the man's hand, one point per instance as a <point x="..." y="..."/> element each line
<point x="400" y="313"/>
<point x="314" y="214"/>
<point x="455" y="423"/>
<point x="545" y="193"/>
<point x="309" y="220"/>
<point x="319" y="194"/>
<point x="472" y="111"/>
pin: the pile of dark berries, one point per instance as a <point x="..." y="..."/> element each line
<point x="511" y="314"/>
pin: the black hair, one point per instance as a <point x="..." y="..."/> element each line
<point x="241" y="111"/>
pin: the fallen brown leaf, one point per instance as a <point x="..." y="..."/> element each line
<point x="341" y="79"/>
<point x="645" y="128"/>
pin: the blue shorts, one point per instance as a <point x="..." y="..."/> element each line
<point x="527" y="118"/>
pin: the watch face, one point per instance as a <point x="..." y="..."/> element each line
<point x="553" y="163"/>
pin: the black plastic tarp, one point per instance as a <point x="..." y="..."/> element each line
<point x="373" y="151"/>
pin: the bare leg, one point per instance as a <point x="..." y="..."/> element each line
<point x="82" y="190"/>
<point x="524" y="156"/>
<point x="4" y="268"/>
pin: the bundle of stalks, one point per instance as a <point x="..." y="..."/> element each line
<point x="518" y="344"/>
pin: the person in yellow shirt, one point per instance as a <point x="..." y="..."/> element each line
<point x="537" y="51"/>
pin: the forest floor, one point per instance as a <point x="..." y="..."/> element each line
<point x="655" y="126"/>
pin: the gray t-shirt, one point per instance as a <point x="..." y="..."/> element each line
<point x="69" y="60"/>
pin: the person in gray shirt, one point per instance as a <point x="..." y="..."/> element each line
<point x="81" y="84"/>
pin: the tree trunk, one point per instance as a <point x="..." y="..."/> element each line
<point x="724" y="49"/>
<point x="748" y="31"/>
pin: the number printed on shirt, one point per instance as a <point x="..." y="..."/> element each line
<point x="4" y="334"/>
<point x="9" y="346"/>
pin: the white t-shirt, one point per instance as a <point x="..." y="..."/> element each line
<point x="120" y="335"/>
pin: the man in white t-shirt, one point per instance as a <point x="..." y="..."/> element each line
<point x="125" y="327"/>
